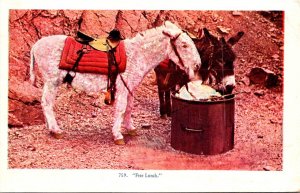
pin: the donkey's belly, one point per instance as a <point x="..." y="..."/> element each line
<point x="90" y="83"/>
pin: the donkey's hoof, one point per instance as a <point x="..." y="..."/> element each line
<point x="132" y="132"/>
<point x="57" y="135"/>
<point x="119" y="142"/>
<point x="164" y="116"/>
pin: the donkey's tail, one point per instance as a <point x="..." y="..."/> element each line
<point x="32" y="61"/>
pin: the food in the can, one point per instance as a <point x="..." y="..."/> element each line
<point x="195" y="90"/>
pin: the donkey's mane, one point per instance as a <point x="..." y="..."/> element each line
<point x="149" y="33"/>
<point x="144" y="42"/>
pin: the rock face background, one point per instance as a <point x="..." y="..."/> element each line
<point x="27" y="26"/>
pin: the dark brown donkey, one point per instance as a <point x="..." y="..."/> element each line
<point x="217" y="68"/>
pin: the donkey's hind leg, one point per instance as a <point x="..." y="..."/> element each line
<point x="48" y="100"/>
<point x="168" y="103"/>
<point x="162" y="103"/>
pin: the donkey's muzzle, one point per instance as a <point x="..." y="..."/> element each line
<point x="229" y="89"/>
<point x="197" y="67"/>
<point x="225" y="90"/>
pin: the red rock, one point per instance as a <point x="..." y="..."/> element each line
<point x="237" y="13"/>
<point x="223" y="30"/>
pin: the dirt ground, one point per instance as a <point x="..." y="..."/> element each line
<point x="88" y="142"/>
<point x="87" y="122"/>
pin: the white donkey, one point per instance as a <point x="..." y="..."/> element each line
<point x="144" y="52"/>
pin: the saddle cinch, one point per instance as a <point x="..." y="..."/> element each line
<point x="86" y="54"/>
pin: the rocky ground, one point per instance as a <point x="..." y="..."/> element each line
<point x="88" y="142"/>
<point x="87" y="121"/>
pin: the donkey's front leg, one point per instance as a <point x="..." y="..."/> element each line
<point x="128" y="123"/>
<point x="120" y="108"/>
<point x="48" y="99"/>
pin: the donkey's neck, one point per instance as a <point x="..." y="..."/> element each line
<point x="147" y="49"/>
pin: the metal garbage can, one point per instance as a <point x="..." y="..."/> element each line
<point x="203" y="127"/>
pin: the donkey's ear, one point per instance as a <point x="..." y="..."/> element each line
<point x="233" y="40"/>
<point x="206" y="32"/>
<point x="200" y="33"/>
<point x="223" y="40"/>
<point x="171" y="30"/>
<point x="172" y="33"/>
<point x="168" y="24"/>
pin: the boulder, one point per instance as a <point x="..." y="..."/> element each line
<point x="24" y="104"/>
<point x="263" y="76"/>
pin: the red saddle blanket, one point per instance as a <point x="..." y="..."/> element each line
<point x="164" y="64"/>
<point x="92" y="62"/>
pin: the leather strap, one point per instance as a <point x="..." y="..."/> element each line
<point x="176" y="51"/>
<point x="111" y="77"/>
<point x="69" y="78"/>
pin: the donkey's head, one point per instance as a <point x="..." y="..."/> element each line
<point x="181" y="49"/>
<point x="217" y="59"/>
